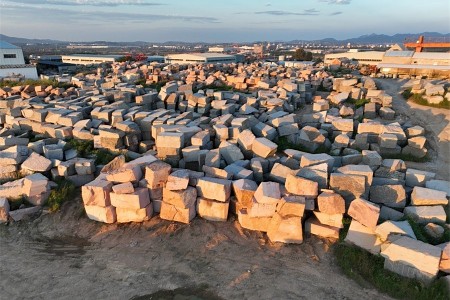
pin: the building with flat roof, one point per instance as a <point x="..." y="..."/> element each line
<point x="89" y="59"/>
<point x="12" y="62"/>
<point x="200" y="58"/>
<point x="363" y="58"/>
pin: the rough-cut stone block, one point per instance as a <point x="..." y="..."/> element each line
<point x="300" y="186"/>
<point x="244" y="189"/>
<point x="264" y="147"/>
<point x="101" y="214"/>
<point x="291" y="206"/>
<point x="123" y="188"/>
<point x="417" y="177"/>
<point x="285" y="229"/>
<point x="257" y="224"/>
<point x="125" y="174"/>
<point x="212" y="210"/>
<point x="178" y="214"/>
<point x="137" y="200"/>
<point x="392" y="195"/>
<point x="214" y="188"/>
<point x="313" y="226"/>
<point x="364" y="212"/>
<point x="178" y="180"/>
<point x="424" y="196"/>
<point x="4" y="210"/>
<point x="334" y="220"/>
<point x="426" y="214"/>
<point x="363" y="237"/>
<point x="421" y="260"/>
<point x="348" y="186"/>
<point x="268" y="193"/>
<point x="97" y="193"/>
<point x="126" y="215"/>
<point x="181" y="199"/>
<point x="388" y="228"/>
<point x="157" y="174"/>
<point x="36" y="163"/>
<point x="331" y="203"/>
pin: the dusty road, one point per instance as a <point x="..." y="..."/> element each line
<point x="66" y="256"/>
<point x="436" y="122"/>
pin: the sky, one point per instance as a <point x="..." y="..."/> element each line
<point x="218" y="21"/>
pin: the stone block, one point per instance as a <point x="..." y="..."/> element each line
<point x="126" y="215"/>
<point x="178" y="214"/>
<point x="418" y="177"/>
<point x="125" y="174"/>
<point x="101" y="214"/>
<point x="363" y="237"/>
<point x="178" y="180"/>
<point x="214" y="188"/>
<point x="301" y="186"/>
<point x="291" y="206"/>
<point x="392" y="195"/>
<point x="182" y="198"/>
<point x="424" y="196"/>
<point x="36" y="163"/>
<point x="157" y="174"/>
<point x="348" y="186"/>
<point x="285" y="229"/>
<point x="97" y="193"/>
<point x="231" y="153"/>
<point x="136" y="200"/>
<point x="333" y="220"/>
<point x="264" y="147"/>
<point x="4" y="210"/>
<point x="385" y="230"/>
<point x="257" y="224"/>
<point x="313" y="226"/>
<point x="426" y="214"/>
<point x="123" y="188"/>
<point x="402" y="257"/>
<point x="268" y="193"/>
<point x="212" y="210"/>
<point x="331" y="203"/>
<point x="244" y="189"/>
<point x="364" y="212"/>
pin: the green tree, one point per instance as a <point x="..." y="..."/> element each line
<point x="301" y="54"/>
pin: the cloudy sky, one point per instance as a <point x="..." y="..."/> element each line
<point x="218" y="20"/>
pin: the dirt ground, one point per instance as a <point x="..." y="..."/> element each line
<point x="67" y="256"/>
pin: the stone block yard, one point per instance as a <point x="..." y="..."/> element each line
<point x="245" y="191"/>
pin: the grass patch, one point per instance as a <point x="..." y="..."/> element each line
<point x="64" y="191"/>
<point x="156" y="86"/>
<point x="357" y="102"/>
<point x="367" y="269"/>
<point x="284" y="144"/>
<point x="422" y="235"/>
<point x="35" y="82"/>
<point x="419" y="99"/>
<point x="86" y="149"/>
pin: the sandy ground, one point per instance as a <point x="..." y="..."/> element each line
<point x="67" y="256"/>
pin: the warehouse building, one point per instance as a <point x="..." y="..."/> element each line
<point x="200" y="58"/>
<point x="12" y="63"/>
<point x="89" y="59"/>
<point x="372" y="58"/>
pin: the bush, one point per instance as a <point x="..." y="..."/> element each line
<point x="33" y="82"/>
<point x="368" y="269"/>
<point x="357" y="102"/>
<point x="419" y="99"/>
<point x="62" y="193"/>
<point x="86" y="149"/>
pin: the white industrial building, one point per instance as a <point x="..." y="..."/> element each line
<point x="12" y="62"/>
<point x="89" y="59"/>
<point x="363" y="57"/>
<point x="200" y="58"/>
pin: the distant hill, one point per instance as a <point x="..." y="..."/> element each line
<point x="364" y="39"/>
<point x="22" y="41"/>
<point x="383" y="38"/>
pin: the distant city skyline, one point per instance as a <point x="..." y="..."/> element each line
<point x="224" y="21"/>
